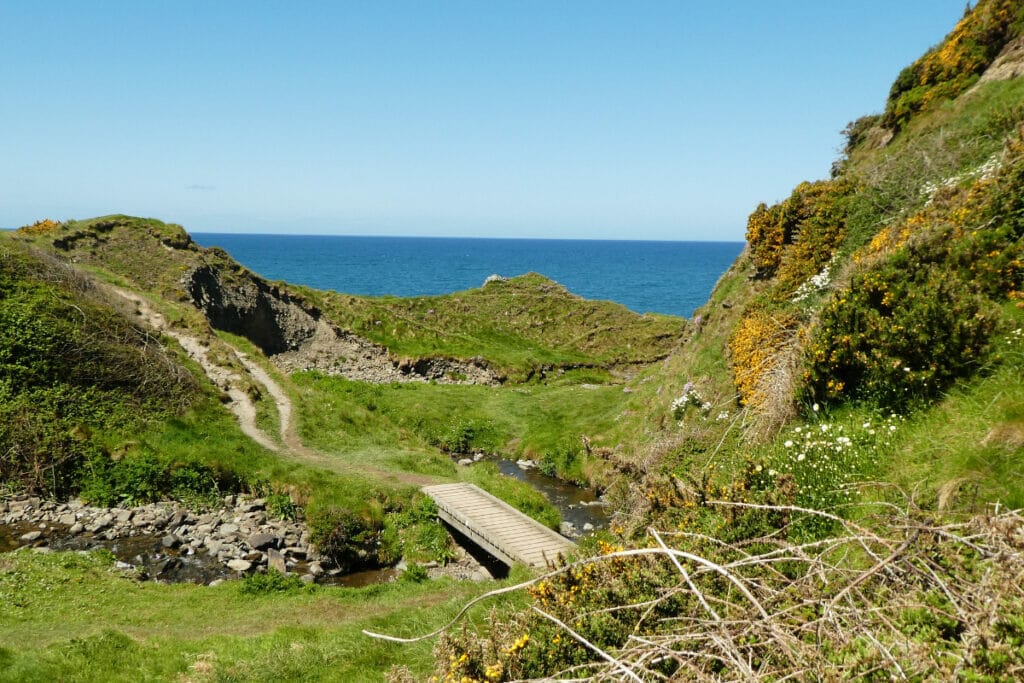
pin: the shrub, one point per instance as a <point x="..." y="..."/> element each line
<point x="955" y="64"/>
<point x="902" y="331"/>
<point x="755" y="346"/>
<point x="349" y="539"/>
<point x="270" y="582"/>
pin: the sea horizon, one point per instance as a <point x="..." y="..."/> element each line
<point x="672" y="277"/>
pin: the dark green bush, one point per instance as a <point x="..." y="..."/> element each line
<point x="349" y="539"/>
<point x="272" y="581"/>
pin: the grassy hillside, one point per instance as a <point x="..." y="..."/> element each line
<point x="524" y="327"/>
<point x="863" y="357"/>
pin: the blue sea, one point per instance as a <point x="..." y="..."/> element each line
<point x="661" y="277"/>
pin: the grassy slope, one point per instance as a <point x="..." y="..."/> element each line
<point x="520" y="326"/>
<point x="970" y="434"/>
<point x="67" y="616"/>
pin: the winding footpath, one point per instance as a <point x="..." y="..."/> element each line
<point x="229" y="381"/>
<point x="287" y="442"/>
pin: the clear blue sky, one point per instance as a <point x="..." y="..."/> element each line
<point x="634" y="120"/>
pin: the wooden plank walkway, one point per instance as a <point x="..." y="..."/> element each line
<point x="496" y="526"/>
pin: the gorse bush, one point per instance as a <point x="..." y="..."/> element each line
<point x="921" y="308"/>
<point x="955" y="64"/>
<point x="755" y="345"/>
<point x="797" y="237"/>
<point x="900" y="333"/>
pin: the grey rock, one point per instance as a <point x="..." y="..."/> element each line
<point x="76" y="528"/>
<point x="170" y="541"/>
<point x="124" y="516"/>
<point x="67" y="519"/>
<point x="307" y="578"/>
<point x="298" y="553"/>
<point x="263" y="541"/>
<point x="275" y="560"/>
<point x="253" y="505"/>
<point x="464" y="462"/>
<point x="240" y="565"/>
<point x="32" y="536"/>
<point x="588" y="527"/>
<point x="228" y="529"/>
<point x="315" y="569"/>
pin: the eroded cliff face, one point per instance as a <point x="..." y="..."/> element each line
<point x="296" y="336"/>
<point x="263" y="314"/>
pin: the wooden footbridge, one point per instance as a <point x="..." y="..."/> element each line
<point x="496" y="526"/>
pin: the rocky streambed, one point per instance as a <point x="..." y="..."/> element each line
<point x="166" y="541"/>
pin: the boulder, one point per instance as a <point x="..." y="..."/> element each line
<point x="32" y="536"/>
<point x="262" y="541"/>
<point x="240" y="565"/>
<point x="275" y="560"/>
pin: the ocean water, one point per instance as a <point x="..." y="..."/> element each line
<point x="662" y="277"/>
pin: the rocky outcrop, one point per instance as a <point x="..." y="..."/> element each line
<point x="251" y="308"/>
<point x="1009" y="64"/>
<point x="297" y="337"/>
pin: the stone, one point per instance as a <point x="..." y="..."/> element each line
<point x="275" y="560"/>
<point x="588" y="527"/>
<point x="125" y="516"/>
<point x="315" y="569"/>
<point x="170" y="541"/>
<point x="263" y="541"/>
<point x="465" y="462"/>
<point x="32" y="536"/>
<point x="67" y="519"/>
<point x="228" y="529"/>
<point x="215" y="582"/>
<point x="307" y="578"/>
<point x="298" y="553"/>
<point x="253" y="505"/>
<point x="240" y="565"/>
<point x="76" y="528"/>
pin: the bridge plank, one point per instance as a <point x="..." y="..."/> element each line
<point x="496" y="526"/>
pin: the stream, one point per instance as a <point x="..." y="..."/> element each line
<point x="150" y="557"/>
<point x="581" y="508"/>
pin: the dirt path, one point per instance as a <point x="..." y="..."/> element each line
<point x="227" y="379"/>
<point x="242" y="406"/>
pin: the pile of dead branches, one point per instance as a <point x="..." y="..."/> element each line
<point x="894" y="595"/>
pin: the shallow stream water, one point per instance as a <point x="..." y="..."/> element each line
<point x="579" y="506"/>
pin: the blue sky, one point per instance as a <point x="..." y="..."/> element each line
<point x="630" y="120"/>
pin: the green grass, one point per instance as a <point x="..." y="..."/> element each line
<point x="972" y="441"/>
<point x="519" y="325"/>
<point x="404" y="421"/>
<point x="67" y="616"/>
